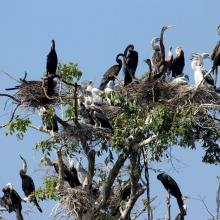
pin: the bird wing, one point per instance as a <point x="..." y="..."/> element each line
<point x="215" y="51"/>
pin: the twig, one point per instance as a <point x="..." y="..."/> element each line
<point x="168" y="217"/>
<point x="218" y="200"/>
<point x="76" y="104"/>
<point x="9" y="75"/>
<point x="11" y="97"/>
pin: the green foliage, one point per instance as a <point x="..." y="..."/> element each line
<point x="18" y="127"/>
<point x="46" y="146"/>
<point x="48" y="190"/>
<point x="69" y="113"/>
<point x="69" y="72"/>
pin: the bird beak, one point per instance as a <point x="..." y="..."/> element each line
<point x="21" y="157"/>
<point x="170" y="26"/>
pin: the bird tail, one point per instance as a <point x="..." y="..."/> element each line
<point x="18" y="214"/>
<point x="36" y="203"/>
<point x="181" y="206"/>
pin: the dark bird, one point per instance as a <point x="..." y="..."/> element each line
<point x="148" y="62"/>
<point x="159" y="64"/>
<point x="111" y="73"/>
<point x="215" y="56"/>
<point x="28" y="186"/>
<point x="178" y="63"/>
<point x="130" y="63"/>
<point x="69" y="175"/>
<point x="13" y="200"/>
<point x="52" y="60"/>
<point x="171" y="186"/>
<point x="85" y="115"/>
<point x="50" y="123"/>
<point x="99" y="117"/>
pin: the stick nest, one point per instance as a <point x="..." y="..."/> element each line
<point x="76" y="200"/>
<point x="162" y="91"/>
<point x="34" y="94"/>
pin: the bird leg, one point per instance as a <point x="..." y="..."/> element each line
<point x="168" y="206"/>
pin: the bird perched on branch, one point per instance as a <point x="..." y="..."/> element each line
<point x="82" y="173"/>
<point x="130" y="63"/>
<point x="69" y="176"/>
<point x="112" y="72"/>
<point x="14" y="200"/>
<point x="172" y="188"/>
<point x="52" y="60"/>
<point x="28" y="185"/>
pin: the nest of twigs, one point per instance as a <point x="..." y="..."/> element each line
<point x="160" y="90"/>
<point x="94" y="134"/>
<point x="35" y="94"/>
<point x="76" y="200"/>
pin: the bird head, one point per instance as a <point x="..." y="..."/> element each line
<point x="24" y="168"/>
<point x="164" y="28"/>
<point x="148" y="61"/>
<point x="218" y="30"/>
<point x="130" y="47"/>
<point x="53" y="44"/>
<point x="178" y="51"/>
<point x="9" y="186"/>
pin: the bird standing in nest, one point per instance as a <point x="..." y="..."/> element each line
<point x="112" y="72"/>
<point x="52" y="61"/>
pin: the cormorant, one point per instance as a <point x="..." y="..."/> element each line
<point x="112" y="72"/>
<point x="28" y="185"/>
<point x="171" y="186"/>
<point x="14" y="200"/>
<point x="156" y="57"/>
<point x="49" y="123"/>
<point x="85" y="115"/>
<point x="69" y="176"/>
<point x="52" y="60"/>
<point x="215" y="56"/>
<point x="130" y="63"/>
<point x="178" y="63"/>
<point x="99" y="117"/>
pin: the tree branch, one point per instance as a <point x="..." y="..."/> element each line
<point x="111" y="178"/>
<point x="60" y="169"/>
<point x="10" y="96"/>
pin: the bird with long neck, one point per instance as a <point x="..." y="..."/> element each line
<point x="28" y="184"/>
<point x="148" y="62"/>
<point x="112" y="72"/>
<point x="172" y="188"/>
<point x="52" y="60"/>
<point x="162" y="48"/>
<point x="130" y="63"/>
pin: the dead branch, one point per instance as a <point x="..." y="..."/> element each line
<point x="11" y="97"/>
<point x="218" y="200"/>
<point x="168" y="217"/>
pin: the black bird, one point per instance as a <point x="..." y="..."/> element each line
<point x="52" y="60"/>
<point x="85" y="115"/>
<point x="13" y="200"/>
<point x="171" y="186"/>
<point x="99" y="117"/>
<point x="178" y="63"/>
<point x="28" y="184"/>
<point x="112" y="72"/>
<point x="130" y="63"/>
<point x="70" y="175"/>
<point x="50" y="123"/>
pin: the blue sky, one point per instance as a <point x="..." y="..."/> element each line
<point x="91" y="33"/>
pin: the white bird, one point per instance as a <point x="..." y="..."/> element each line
<point x="181" y="80"/>
<point x="199" y="71"/>
<point x="95" y="93"/>
<point x="81" y="173"/>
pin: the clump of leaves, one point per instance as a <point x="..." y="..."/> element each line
<point x="18" y="127"/>
<point x="48" y="190"/>
<point x="70" y="72"/>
